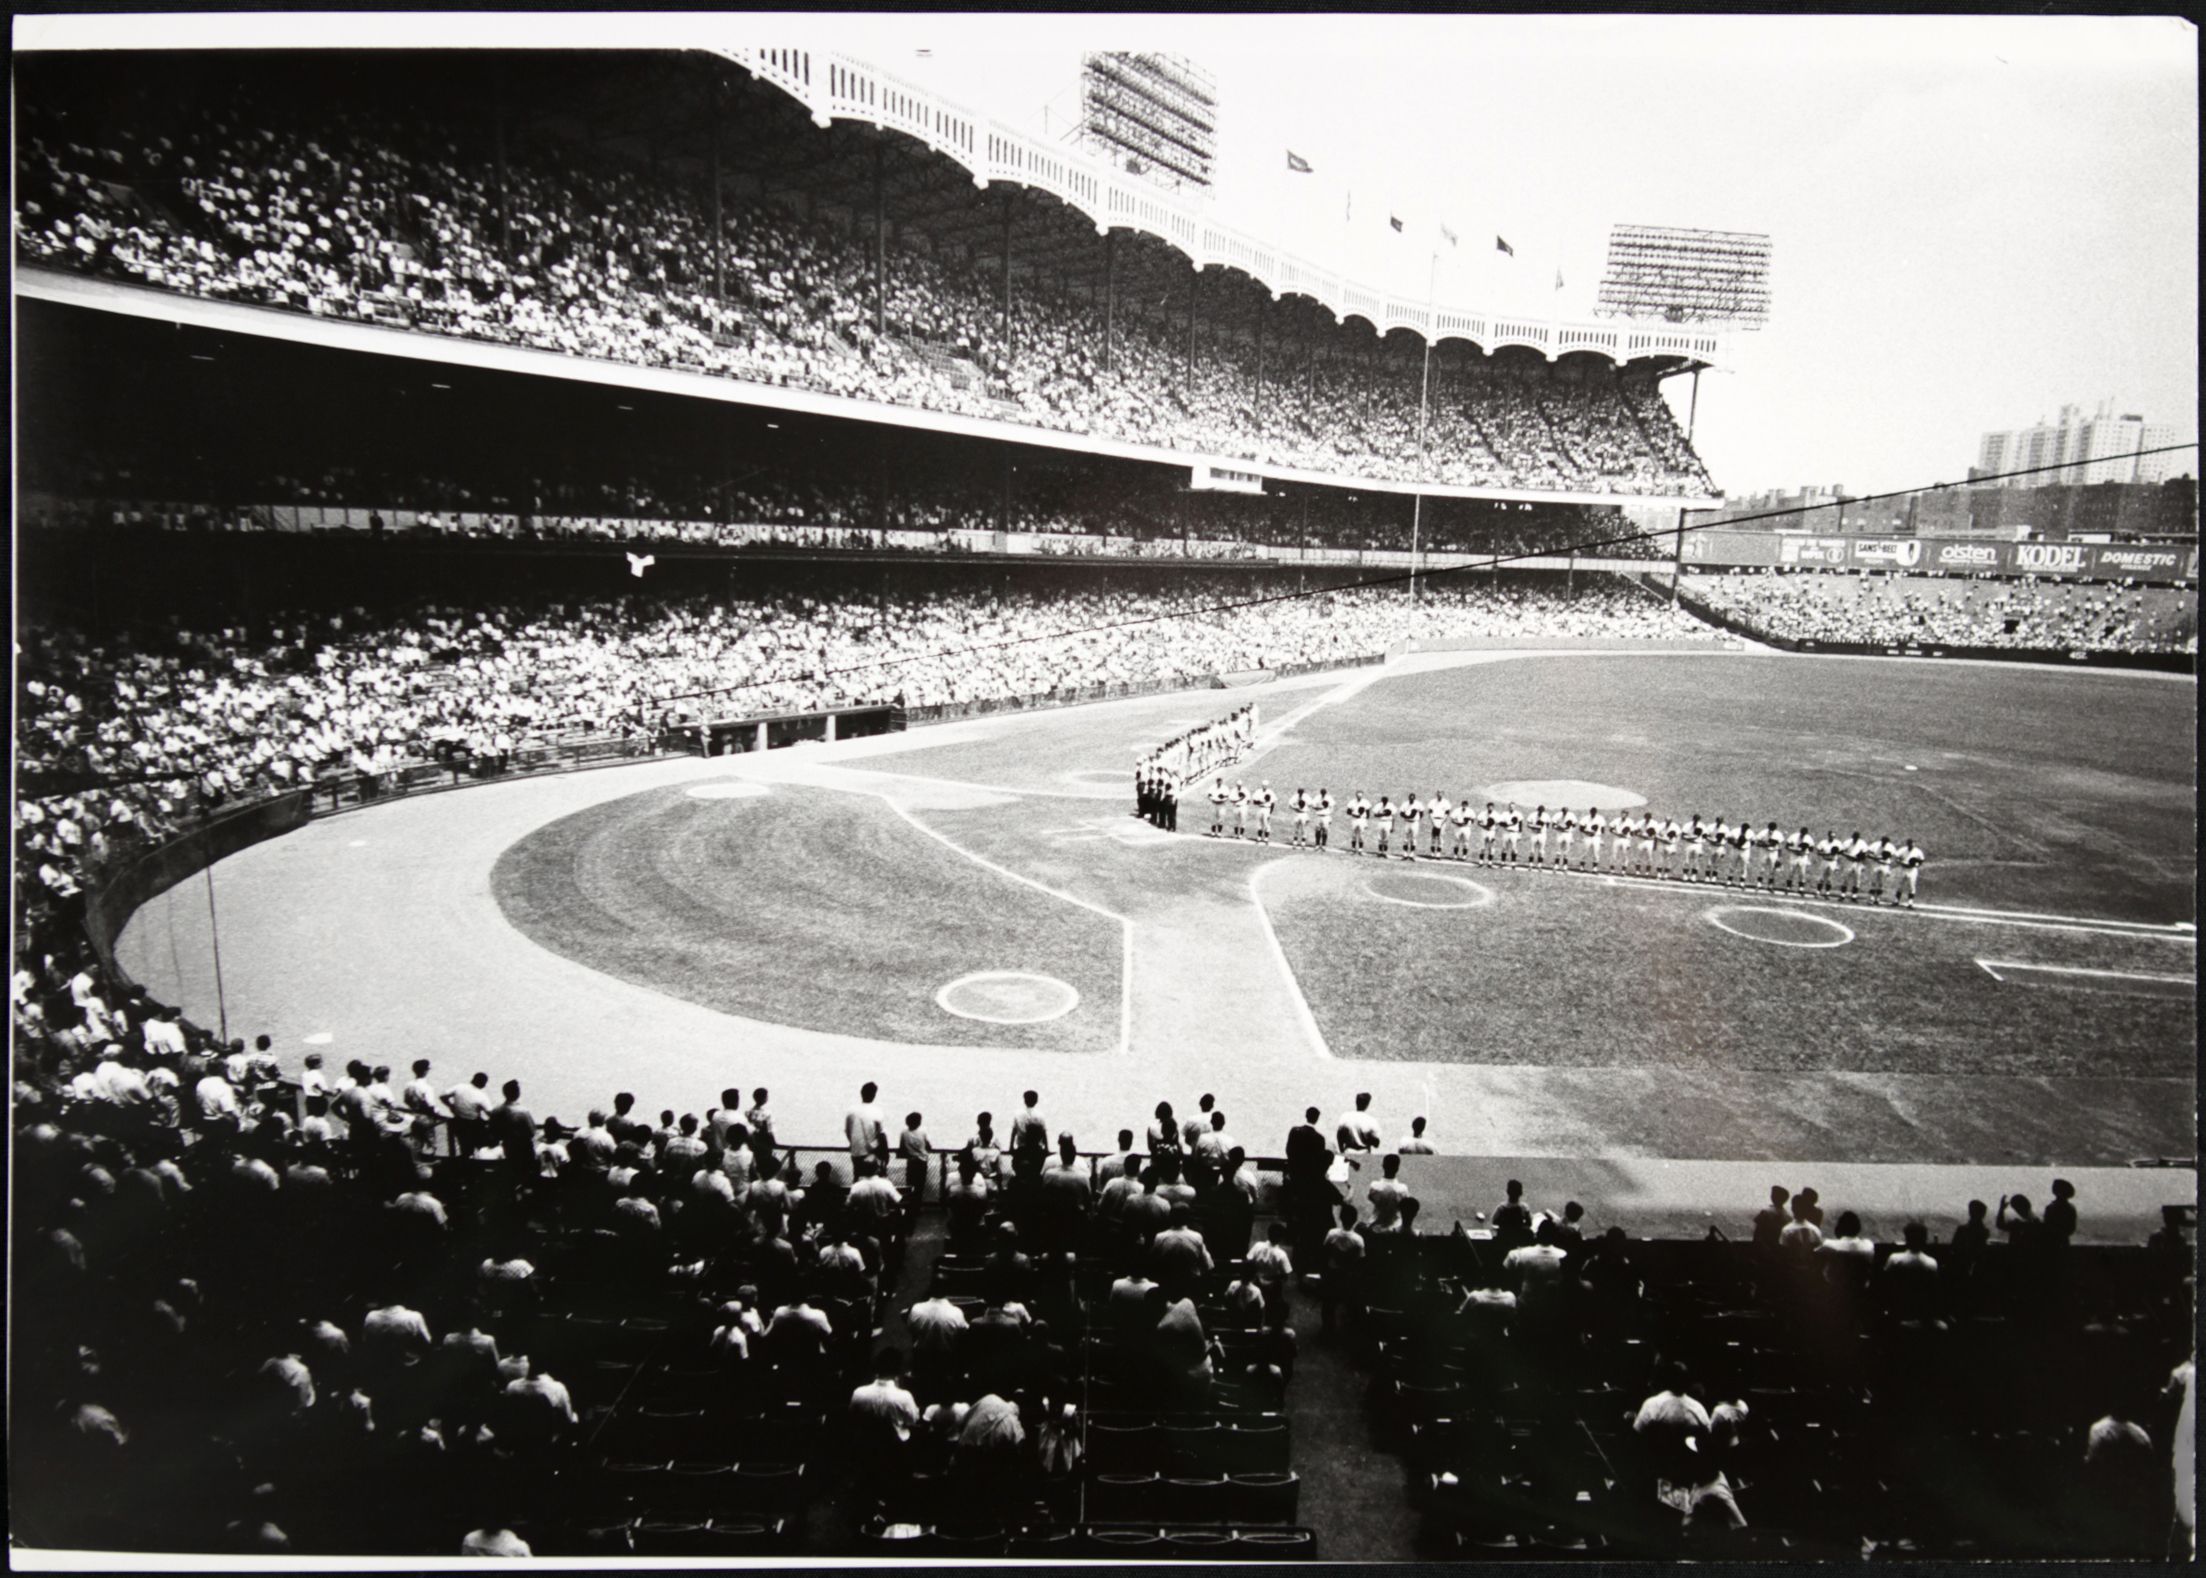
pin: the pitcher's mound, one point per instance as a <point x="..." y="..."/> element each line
<point x="1572" y="792"/>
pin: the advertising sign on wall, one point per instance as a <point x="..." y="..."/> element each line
<point x="2051" y="558"/>
<point x="1963" y="558"/>
<point x="1729" y="547"/>
<point x="1887" y="553"/>
<point x="2142" y="562"/>
<point x="1812" y="550"/>
<point x="2103" y="561"/>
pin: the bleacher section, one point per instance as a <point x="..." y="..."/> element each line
<point x="2048" y="616"/>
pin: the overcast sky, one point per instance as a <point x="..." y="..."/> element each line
<point x="1975" y="220"/>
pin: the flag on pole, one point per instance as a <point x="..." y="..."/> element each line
<point x="1503" y="246"/>
<point x="1447" y="235"/>
<point x="1296" y="163"/>
<point x="1558" y="279"/>
<point x="1396" y="223"/>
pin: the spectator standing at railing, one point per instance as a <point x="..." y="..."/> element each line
<point x="865" y="1127"/>
<point x="913" y="1147"/>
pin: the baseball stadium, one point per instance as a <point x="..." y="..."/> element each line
<point x="697" y="874"/>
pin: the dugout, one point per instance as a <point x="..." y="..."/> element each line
<point x="771" y="731"/>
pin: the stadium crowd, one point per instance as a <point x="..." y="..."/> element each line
<point x="357" y="213"/>
<point x="2029" y="613"/>
<point x="1098" y="521"/>
<point x="172" y="728"/>
<point x="262" y="1309"/>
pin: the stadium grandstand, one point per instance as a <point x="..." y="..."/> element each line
<point x="584" y="984"/>
<point x="844" y="262"/>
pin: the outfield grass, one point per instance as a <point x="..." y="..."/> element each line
<point x="817" y="909"/>
<point x="1566" y="972"/>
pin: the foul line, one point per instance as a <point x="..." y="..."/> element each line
<point x="2178" y="932"/>
<point x="1276" y="735"/>
<point x="1286" y="970"/>
<point x="1126" y="959"/>
<point x="1992" y="967"/>
<point x="2141" y="931"/>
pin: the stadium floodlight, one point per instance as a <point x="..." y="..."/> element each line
<point x="1153" y="115"/>
<point x="1674" y="275"/>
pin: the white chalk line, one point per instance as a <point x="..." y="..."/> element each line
<point x="1992" y="967"/>
<point x="1126" y="957"/>
<point x="1482" y="895"/>
<point x="2143" y="931"/>
<point x="1276" y="734"/>
<point x="1300" y="1003"/>
<point x="1715" y="918"/>
<point x="1071" y="997"/>
<point x="2177" y="932"/>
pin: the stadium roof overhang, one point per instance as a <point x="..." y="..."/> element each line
<point x="74" y="290"/>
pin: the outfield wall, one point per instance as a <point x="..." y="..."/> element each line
<point x="2169" y="563"/>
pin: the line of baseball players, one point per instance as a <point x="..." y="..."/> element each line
<point x="1721" y="853"/>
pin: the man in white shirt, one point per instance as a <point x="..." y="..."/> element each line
<point x="1537" y="1268"/>
<point x="1213" y="1144"/>
<point x="1029" y="1129"/>
<point x="469" y="1106"/>
<point x="164" y="1035"/>
<point x="1344" y="1258"/>
<point x="1356" y="1131"/>
<point x="217" y="1101"/>
<point x="873" y="1202"/>
<point x="864" y="1126"/>
<point x="1415" y="1144"/>
<point x="420" y="1098"/>
<point x="936" y="1325"/>
<point x="1386" y="1193"/>
<point x="882" y="1405"/>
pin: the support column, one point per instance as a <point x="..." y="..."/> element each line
<point x="1110" y="296"/>
<point x="1007" y="343"/>
<point x="1692" y="411"/>
<point x="1262" y="312"/>
<point x="831" y="728"/>
<point x="1194" y="287"/>
<point x="880" y="237"/>
<point x="498" y="143"/>
<point x="761" y="737"/>
<point x="719" y="220"/>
